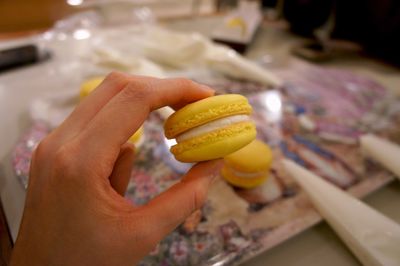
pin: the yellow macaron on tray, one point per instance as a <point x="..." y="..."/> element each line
<point x="89" y="86"/>
<point x="315" y="120"/>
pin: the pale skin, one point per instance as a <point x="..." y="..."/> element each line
<point x="75" y="212"/>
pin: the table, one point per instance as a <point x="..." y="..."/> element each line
<point x="316" y="246"/>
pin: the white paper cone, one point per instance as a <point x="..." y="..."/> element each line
<point x="371" y="236"/>
<point x="385" y="152"/>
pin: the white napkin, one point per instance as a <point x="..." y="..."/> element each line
<point x="385" y="152"/>
<point x="371" y="236"/>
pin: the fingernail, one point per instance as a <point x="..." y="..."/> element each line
<point x="209" y="170"/>
<point x="214" y="169"/>
<point x="214" y="178"/>
<point x="215" y="166"/>
<point x="206" y="88"/>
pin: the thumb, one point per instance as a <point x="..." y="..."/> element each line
<point x="165" y="212"/>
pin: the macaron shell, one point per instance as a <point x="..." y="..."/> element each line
<point x="215" y="144"/>
<point x="136" y="136"/>
<point x="255" y="157"/>
<point x="243" y="182"/>
<point x="206" y="110"/>
<point x="88" y="86"/>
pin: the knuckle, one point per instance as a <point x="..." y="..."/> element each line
<point x="63" y="159"/>
<point x="115" y="75"/>
<point x="185" y="83"/>
<point x="135" y="91"/>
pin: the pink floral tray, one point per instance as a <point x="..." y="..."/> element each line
<point x="315" y="120"/>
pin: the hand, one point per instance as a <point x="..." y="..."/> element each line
<point x="75" y="212"/>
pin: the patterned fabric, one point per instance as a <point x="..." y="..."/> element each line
<point x="315" y="120"/>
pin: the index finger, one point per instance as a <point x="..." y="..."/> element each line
<point x="126" y="112"/>
<point x="87" y="109"/>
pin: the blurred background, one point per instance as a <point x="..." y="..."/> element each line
<point x="374" y="24"/>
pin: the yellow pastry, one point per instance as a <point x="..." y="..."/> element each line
<point x="248" y="167"/>
<point x="88" y="86"/>
<point x="135" y="138"/>
<point x="238" y="22"/>
<point x="210" y="128"/>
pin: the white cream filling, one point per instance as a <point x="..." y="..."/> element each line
<point x="247" y="175"/>
<point x="211" y="126"/>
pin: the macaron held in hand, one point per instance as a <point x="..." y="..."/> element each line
<point x="210" y="128"/>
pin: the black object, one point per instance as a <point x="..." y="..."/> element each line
<point x="269" y="3"/>
<point x="375" y="24"/>
<point x="20" y="56"/>
<point x="305" y="16"/>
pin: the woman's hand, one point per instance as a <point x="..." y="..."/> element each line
<point x="75" y="212"/>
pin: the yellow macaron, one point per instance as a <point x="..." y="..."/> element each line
<point x="248" y="167"/>
<point x="88" y="86"/>
<point x="210" y="128"/>
<point x="135" y="138"/>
